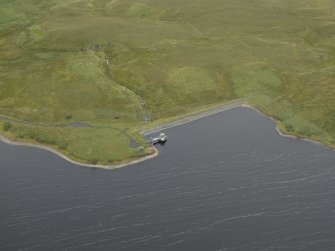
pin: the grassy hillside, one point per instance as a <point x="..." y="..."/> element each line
<point x="98" y="61"/>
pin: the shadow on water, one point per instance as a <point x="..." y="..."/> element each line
<point x="226" y="181"/>
<point x="162" y="143"/>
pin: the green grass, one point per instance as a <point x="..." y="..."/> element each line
<point x="106" y="146"/>
<point x="74" y="85"/>
<point x="177" y="56"/>
<point x="10" y="16"/>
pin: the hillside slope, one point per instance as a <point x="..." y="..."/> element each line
<point x="108" y="63"/>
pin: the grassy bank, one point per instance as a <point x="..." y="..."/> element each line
<point x="99" y="61"/>
<point x="106" y="146"/>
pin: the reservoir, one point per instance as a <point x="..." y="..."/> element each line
<point x="225" y="182"/>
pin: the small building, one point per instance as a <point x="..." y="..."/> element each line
<point x="160" y="139"/>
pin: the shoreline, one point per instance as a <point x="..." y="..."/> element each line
<point x="283" y="134"/>
<point x="59" y="154"/>
<point x="177" y="122"/>
<point x="168" y="125"/>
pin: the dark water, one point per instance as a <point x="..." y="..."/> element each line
<point x="224" y="182"/>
